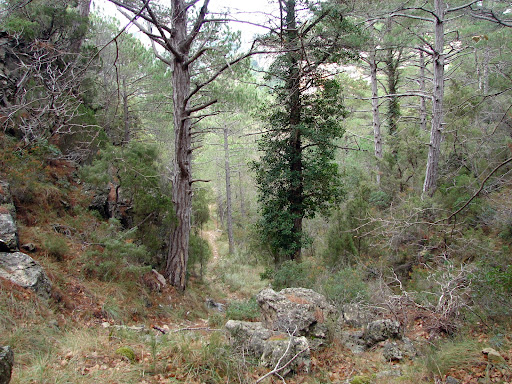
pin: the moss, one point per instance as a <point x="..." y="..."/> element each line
<point x="127" y="352"/>
<point x="361" y="380"/>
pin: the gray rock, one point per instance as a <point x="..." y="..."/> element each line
<point x="272" y="348"/>
<point x="5" y="194"/>
<point x="212" y="304"/>
<point x="248" y="337"/>
<point x="354" y="341"/>
<point x="8" y="233"/>
<point x="392" y="352"/>
<point x="451" y="380"/>
<point x="29" y="247"/>
<point x="355" y="315"/>
<point x="6" y="363"/>
<point x="297" y="311"/>
<point x="381" y="330"/>
<point x="24" y="271"/>
<point x="290" y="354"/>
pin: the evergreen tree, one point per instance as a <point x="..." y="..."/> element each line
<point x="296" y="175"/>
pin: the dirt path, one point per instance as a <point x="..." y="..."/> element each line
<point x="211" y="237"/>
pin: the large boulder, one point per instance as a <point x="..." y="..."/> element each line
<point x="8" y="229"/>
<point x="273" y="349"/>
<point x="297" y="311"/>
<point x="287" y="354"/>
<point x="8" y="232"/>
<point x="248" y="337"/>
<point x="6" y="363"/>
<point x="24" y="271"/>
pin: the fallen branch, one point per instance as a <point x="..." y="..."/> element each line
<point x="164" y="331"/>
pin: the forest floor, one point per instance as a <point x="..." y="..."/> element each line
<point x="122" y="331"/>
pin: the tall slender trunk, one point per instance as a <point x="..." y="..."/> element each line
<point x="296" y="192"/>
<point x="177" y="260"/>
<point x="436" y="133"/>
<point x="126" y="113"/>
<point x="423" y="100"/>
<point x="377" y="136"/>
<point x="242" y="202"/>
<point x="228" y="192"/>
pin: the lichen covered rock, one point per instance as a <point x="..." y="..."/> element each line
<point x="24" y="271"/>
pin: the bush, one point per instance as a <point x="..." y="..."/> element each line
<point x="247" y="310"/>
<point x="345" y="287"/>
<point x="55" y="246"/>
<point x="118" y="257"/>
<point x="198" y="253"/>
<point x="292" y="274"/>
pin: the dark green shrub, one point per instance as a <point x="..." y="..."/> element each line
<point x="198" y="253"/>
<point x="118" y="257"/>
<point x="346" y="286"/>
<point x="292" y="275"/>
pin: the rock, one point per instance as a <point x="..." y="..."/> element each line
<point x="29" y="247"/>
<point x="291" y="354"/>
<point x="493" y="356"/>
<point x="381" y="330"/>
<point x="392" y="352"/>
<point x="451" y="380"/>
<point x="154" y="281"/>
<point x="248" y="337"/>
<point x="6" y="363"/>
<point x="6" y="197"/>
<point x="354" y="315"/>
<point x="8" y="233"/>
<point x="354" y="341"/>
<point x="212" y="304"/>
<point x="24" y="271"/>
<point x="252" y="338"/>
<point x="297" y="311"/>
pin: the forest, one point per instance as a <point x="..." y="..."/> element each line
<point x="325" y="200"/>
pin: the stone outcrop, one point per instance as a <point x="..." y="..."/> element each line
<point x="381" y="330"/>
<point x="297" y="311"/>
<point x="8" y="228"/>
<point x="6" y="363"/>
<point x="384" y="333"/>
<point x="273" y="349"/>
<point x="15" y="266"/>
<point x="8" y="233"/>
<point x="288" y="354"/>
<point x="24" y="271"/>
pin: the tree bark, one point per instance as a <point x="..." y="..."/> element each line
<point x="176" y="266"/>
<point x="377" y="136"/>
<point x="423" y="101"/>
<point x="126" y="113"/>
<point x="296" y="192"/>
<point x="436" y="133"/>
<point x="229" y="207"/>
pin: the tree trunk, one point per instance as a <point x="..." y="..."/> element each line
<point x="436" y="133"/>
<point x="242" y="202"/>
<point x="177" y="259"/>
<point x="296" y="192"/>
<point x="423" y="101"/>
<point x="375" y="112"/>
<point x="126" y="114"/>
<point x="228" y="192"/>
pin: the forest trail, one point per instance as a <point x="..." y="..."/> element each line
<point x="211" y="237"/>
